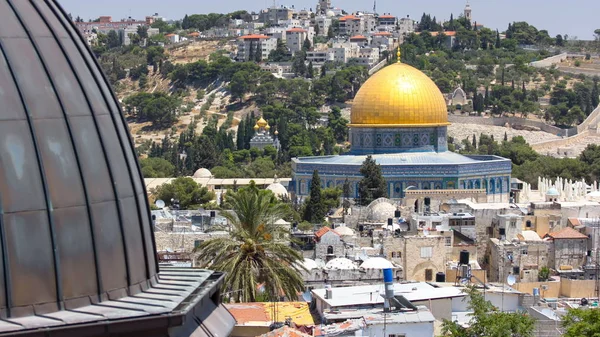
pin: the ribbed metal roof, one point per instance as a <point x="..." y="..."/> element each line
<point x="75" y="225"/>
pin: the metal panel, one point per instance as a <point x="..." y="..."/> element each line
<point x="35" y="25"/>
<point x="9" y="96"/>
<point x="133" y="240"/>
<point x="66" y="85"/>
<point x="93" y="164"/>
<point x="31" y="78"/>
<point x="9" y="25"/>
<point x="109" y="244"/>
<point x="77" y="259"/>
<point x="60" y="167"/>
<point x="30" y="257"/>
<point x="20" y="182"/>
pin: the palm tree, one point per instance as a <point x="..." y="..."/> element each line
<point x="250" y="256"/>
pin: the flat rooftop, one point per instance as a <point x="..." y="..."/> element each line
<point x="371" y="294"/>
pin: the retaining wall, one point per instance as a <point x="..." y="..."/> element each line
<point x="502" y="121"/>
<point x="548" y="62"/>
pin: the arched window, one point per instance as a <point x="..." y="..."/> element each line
<point x="329" y="250"/>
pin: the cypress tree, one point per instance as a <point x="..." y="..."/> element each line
<point x="311" y="70"/>
<point x="486" y="98"/>
<point x="498" y="44"/>
<point x="241" y="135"/>
<point x="315" y="210"/>
<point x="372" y="186"/>
<point x="595" y="94"/>
<point x="524" y="92"/>
<point x="474" y="141"/>
<point x="505" y="136"/>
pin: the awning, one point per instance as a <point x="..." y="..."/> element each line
<point x="214" y="321"/>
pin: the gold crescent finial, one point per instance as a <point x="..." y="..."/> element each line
<point x="398" y="54"/>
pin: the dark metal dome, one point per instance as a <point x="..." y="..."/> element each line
<point x="75" y="226"/>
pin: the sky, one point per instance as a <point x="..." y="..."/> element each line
<point x="577" y="18"/>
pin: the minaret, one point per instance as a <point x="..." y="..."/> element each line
<point x="468" y="13"/>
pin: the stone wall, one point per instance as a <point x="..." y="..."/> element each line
<point x="503" y="121"/>
<point x="550" y="61"/>
<point x="180" y="242"/>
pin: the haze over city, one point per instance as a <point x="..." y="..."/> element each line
<point x="574" y="18"/>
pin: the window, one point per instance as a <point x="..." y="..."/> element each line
<point x="396" y="255"/>
<point x="448" y="241"/>
<point x="428" y="274"/>
<point x="528" y="224"/>
<point x="513" y="224"/>
<point x="426" y="252"/>
<point x="524" y="251"/>
<point x="330" y="250"/>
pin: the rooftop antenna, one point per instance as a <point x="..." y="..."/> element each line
<point x="374" y="6"/>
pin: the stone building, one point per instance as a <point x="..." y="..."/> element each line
<point x="329" y="244"/>
<point x="420" y="256"/>
<point x="522" y="257"/>
<point x="568" y="251"/>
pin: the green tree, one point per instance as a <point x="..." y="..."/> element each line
<point x="331" y="197"/>
<point x="595" y="94"/>
<point x="315" y="209"/>
<point x="113" y="40"/>
<point x="372" y="186"/>
<point x="157" y="168"/>
<point x="582" y="322"/>
<point x="544" y="274"/>
<point x="251" y="256"/>
<point x="306" y="45"/>
<point x="280" y="54"/>
<point x="186" y="190"/>
<point x="487" y="321"/>
<point x="310" y="71"/>
<point x="142" y="32"/>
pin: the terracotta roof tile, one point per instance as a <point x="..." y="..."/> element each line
<point x="322" y="232"/>
<point x="574" y="221"/>
<point x="383" y="34"/>
<point x="297" y="30"/>
<point x="285" y="331"/>
<point x="386" y="16"/>
<point x="254" y="36"/>
<point x="348" y="17"/>
<point x="567" y="233"/>
<point x="259" y="313"/>
<point x="358" y="37"/>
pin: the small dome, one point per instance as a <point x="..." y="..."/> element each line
<point x="553" y="191"/>
<point x="340" y="263"/>
<point x="262" y="122"/>
<point x="310" y="264"/>
<point x="376" y="263"/>
<point x="344" y="231"/>
<point x="279" y="190"/>
<point x="330" y="14"/>
<point x="202" y="173"/>
<point x="380" y="210"/>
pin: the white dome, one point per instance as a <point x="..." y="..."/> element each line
<point x="330" y="13"/>
<point x="381" y="210"/>
<point x="376" y="263"/>
<point x="279" y="190"/>
<point x="202" y="173"/>
<point x="310" y="264"/>
<point x="553" y="191"/>
<point x="340" y="263"/>
<point x="344" y="231"/>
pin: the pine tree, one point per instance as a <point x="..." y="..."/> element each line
<point x="345" y="196"/>
<point x="323" y="71"/>
<point x="373" y="186"/>
<point x="315" y="210"/>
<point x="306" y="45"/>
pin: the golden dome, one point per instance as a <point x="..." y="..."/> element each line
<point x="268" y="127"/>
<point x="262" y="122"/>
<point x="399" y="95"/>
<point x="256" y="127"/>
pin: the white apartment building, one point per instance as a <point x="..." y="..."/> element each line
<point x="323" y="22"/>
<point x="383" y="41"/>
<point x="249" y="43"/>
<point x="406" y="26"/>
<point x="368" y="56"/>
<point x="295" y="38"/>
<point x="124" y="34"/>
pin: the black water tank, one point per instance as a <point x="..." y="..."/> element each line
<point x="361" y="228"/>
<point x="464" y="257"/>
<point x="440" y="277"/>
<point x="397" y="214"/>
<point x="213" y="214"/>
<point x="390" y="221"/>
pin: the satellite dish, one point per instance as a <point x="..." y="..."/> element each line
<point x="511" y="279"/>
<point x="160" y="204"/>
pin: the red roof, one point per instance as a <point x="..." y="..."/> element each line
<point x="297" y="30"/>
<point x="169" y="35"/>
<point x="448" y="33"/>
<point x="358" y="37"/>
<point x="194" y="34"/>
<point x="285" y="331"/>
<point x="254" y="36"/>
<point x="386" y="16"/>
<point x="323" y="231"/>
<point x="348" y="17"/>
<point x="383" y="34"/>
<point x="567" y="233"/>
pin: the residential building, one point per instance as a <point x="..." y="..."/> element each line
<point x="274" y="14"/>
<point x="323" y="23"/>
<point x="105" y="24"/>
<point x="568" y="253"/>
<point x="360" y="40"/>
<point x="347" y="25"/>
<point x="406" y="26"/>
<point x="387" y="20"/>
<point x="125" y="34"/>
<point x="522" y="257"/>
<point x="295" y="38"/>
<point x="249" y="44"/>
<point x="449" y="38"/>
<point x="383" y="41"/>
<point x="368" y="56"/>
<point x="316" y="56"/>
<point x="323" y="6"/>
<point x="173" y="38"/>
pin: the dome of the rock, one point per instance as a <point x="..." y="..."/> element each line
<point x="399" y="95"/>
